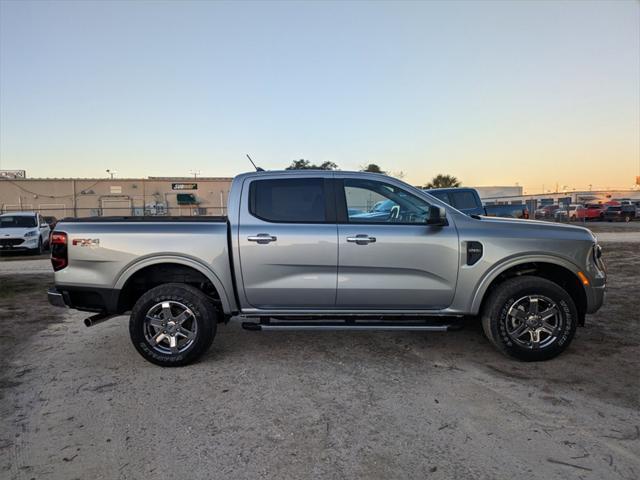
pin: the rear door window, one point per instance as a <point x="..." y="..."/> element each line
<point x="291" y="200"/>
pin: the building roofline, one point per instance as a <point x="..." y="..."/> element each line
<point x="102" y="179"/>
<point x="572" y="192"/>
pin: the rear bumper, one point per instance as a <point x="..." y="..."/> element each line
<point x="99" y="300"/>
<point x="56" y="298"/>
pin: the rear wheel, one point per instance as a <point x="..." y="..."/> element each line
<point x="172" y="324"/>
<point x="530" y="318"/>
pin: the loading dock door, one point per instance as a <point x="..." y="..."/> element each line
<point x="116" y="207"/>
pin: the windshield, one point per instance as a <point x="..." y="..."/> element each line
<point x="19" y="221"/>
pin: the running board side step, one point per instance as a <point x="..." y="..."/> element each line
<point x="352" y="326"/>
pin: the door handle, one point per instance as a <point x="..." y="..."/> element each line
<point x="362" y="239"/>
<point x="262" y="238"/>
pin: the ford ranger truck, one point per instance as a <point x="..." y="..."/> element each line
<point x="311" y="250"/>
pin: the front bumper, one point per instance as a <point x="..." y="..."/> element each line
<point x="17" y="244"/>
<point x="595" y="297"/>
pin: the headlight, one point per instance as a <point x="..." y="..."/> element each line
<point x="32" y="233"/>
<point x="597" y="258"/>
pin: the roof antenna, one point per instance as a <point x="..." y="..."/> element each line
<point x="258" y="169"/>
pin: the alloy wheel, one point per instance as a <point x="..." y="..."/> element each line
<point x="534" y="322"/>
<point x="170" y="327"/>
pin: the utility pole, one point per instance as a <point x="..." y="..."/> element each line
<point x="195" y="173"/>
<point x="111" y="173"/>
<point x="75" y="199"/>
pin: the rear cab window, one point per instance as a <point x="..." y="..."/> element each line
<point x="444" y="196"/>
<point x="464" y="200"/>
<point x="291" y="200"/>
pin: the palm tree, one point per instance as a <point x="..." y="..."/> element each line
<point x="443" y="181"/>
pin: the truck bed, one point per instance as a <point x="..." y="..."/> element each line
<point x="104" y="252"/>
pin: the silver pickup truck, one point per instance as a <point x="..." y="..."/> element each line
<point x="307" y="250"/>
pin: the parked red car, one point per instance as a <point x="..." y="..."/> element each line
<point x="589" y="212"/>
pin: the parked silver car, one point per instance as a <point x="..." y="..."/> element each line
<point x="297" y="252"/>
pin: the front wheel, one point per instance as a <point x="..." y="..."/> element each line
<point x="173" y="324"/>
<point x="39" y="250"/>
<point x="530" y="318"/>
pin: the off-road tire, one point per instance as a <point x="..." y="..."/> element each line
<point x="204" y="314"/>
<point x="500" y="300"/>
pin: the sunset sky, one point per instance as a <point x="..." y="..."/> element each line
<point x="494" y="93"/>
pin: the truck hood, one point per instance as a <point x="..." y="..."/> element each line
<point x="537" y="228"/>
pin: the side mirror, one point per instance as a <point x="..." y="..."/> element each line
<point x="437" y="216"/>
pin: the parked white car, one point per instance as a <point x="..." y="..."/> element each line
<point x="567" y="213"/>
<point x="23" y="231"/>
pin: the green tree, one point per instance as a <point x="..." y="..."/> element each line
<point x="372" y="167"/>
<point x="328" y="166"/>
<point x="443" y="181"/>
<point x="303" y="164"/>
<point x="299" y="165"/>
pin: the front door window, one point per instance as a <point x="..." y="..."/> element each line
<point x="376" y="202"/>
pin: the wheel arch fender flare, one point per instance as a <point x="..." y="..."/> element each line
<point x="127" y="272"/>
<point x="483" y="284"/>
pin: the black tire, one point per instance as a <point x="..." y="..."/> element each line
<point x="40" y="249"/>
<point x="204" y="317"/>
<point x="496" y="319"/>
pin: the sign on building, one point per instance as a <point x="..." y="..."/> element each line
<point x="13" y="174"/>
<point x="184" y="186"/>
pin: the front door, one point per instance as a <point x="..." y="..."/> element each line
<point x="288" y="243"/>
<point x="389" y="258"/>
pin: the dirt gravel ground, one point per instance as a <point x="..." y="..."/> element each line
<point x="80" y="403"/>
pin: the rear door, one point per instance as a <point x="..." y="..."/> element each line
<point x="288" y="242"/>
<point x="395" y="262"/>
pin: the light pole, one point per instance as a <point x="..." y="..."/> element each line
<point x="111" y="173"/>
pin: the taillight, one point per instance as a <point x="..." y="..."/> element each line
<point x="59" y="258"/>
